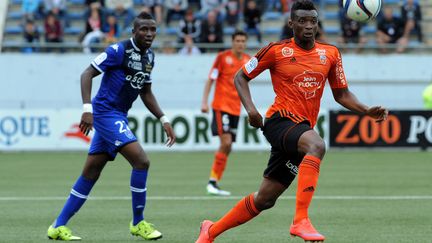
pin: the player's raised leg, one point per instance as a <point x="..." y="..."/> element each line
<point x="219" y="165"/>
<point x="245" y="210"/>
<point x="77" y="197"/>
<point x="140" y="163"/>
<point x="313" y="146"/>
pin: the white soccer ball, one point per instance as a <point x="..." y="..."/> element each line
<point x="362" y="10"/>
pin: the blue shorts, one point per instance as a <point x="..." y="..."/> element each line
<point x="111" y="134"/>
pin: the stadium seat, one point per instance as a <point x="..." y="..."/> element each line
<point x="331" y="1"/>
<point x="13" y="30"/>
<point x="331" y="15"/>
<point x="228" y="30"/>
<point x="15" y="15"/>
<point x="76" y="15"/>
<point x="16" y="2"/>
<point x="76" y="2"/>
<point x="369" y="29"/>
<point x="272" y="31"/>
<point x="334" y="30"/>
<point x="272" y="16"/>
<point x="171" y="31"/>
<point x="73" y="30"/>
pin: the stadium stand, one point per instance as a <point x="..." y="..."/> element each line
<point x="271" y="26"/>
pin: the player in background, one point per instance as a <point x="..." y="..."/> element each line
<point x="226" y="105"/>
<point x="299" y="68"/>
<point x="127" y="66"/>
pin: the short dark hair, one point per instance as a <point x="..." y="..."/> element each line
<point x="144" y="15"/>
<point x="302" y="5"/>
<point x="240" y="33"/>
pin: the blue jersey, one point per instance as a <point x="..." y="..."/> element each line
<point x="126" y="69"/>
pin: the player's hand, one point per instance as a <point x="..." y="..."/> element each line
<point x="170" y="133"/>
<point x="86" y="124"/>
<point x="378" y="112"/>
<point x="255" y="119"/>
<point x="204" y="108"/>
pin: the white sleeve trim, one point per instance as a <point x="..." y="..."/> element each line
<point x="96" y="66"/>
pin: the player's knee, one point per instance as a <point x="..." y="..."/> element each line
<point x="142" y="164"/>
<point x="317" y="148"/>
<point x="263" y="203"/>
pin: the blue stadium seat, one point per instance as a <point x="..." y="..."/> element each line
<point x="272" y="16"/>
<point x="13" y="30"/>
<point x="333" y="30"/>
<point x="331" y="15"/>
<point x="76" y="15"/>
<point x="16" y="2"/>
<point x="76" y="2"/>
<point x="272" y="31"/>
<point x="138" y="2"/>
<point x="15" y="15"/>
<point x="332" y="1"/>
<point x="369" y="29"/>
<point x="73" y="30"/>
<point x="228" y="30"/>
<point x="171" y="31"/>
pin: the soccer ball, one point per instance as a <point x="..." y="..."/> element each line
<point x="362" y="10"/>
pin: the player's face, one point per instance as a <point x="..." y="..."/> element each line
<point x="305" y="24"/>
<point x="239" y="43"/>
<point x="144" y="32"/>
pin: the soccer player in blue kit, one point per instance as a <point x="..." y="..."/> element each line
<point x="127" y="66"/>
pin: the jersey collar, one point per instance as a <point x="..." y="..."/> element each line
<point x="134" y="45"/>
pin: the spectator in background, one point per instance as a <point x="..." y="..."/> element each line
<point x="154" y="7"/>
<point x="252" y="19"/>
<point x="31" y="35"/>
<point x="93" y="30"/>
<point x="31" y="9"/>
<point x="121" y="9"/>
<point x="232" y="12"/>
<point x="351" y="33"/>
<point x="189" y="27"/>
<point x="189" y="48"/>
<point x="411" y="15"/>
<point x="286" y="7"/>
<point x="168" y="47"/>
<point x="111" y="30"/>
<point x="390" y="31"/>
<point x="216" y="6"/>
<point x="58" y="8"/>
<point x="53" y="29"/>
<point x="175" y="8"/>
<point x="89" y="2"/>
<point x="211" y="29"/>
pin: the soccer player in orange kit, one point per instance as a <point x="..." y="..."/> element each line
<point x="299" y="68"/>
<point x="226" y="105"/>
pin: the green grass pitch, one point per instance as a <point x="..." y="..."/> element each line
<point x="364" y="196"/>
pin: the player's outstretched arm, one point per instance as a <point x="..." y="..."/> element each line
<point x="86" y="124"/>
<point x="241" y="82"/>
<point x="207" y="88"/>
<point x="348" y="100"/>
<point x="151" y="103"/>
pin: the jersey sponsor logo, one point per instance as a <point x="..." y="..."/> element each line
<point x="135" y="65"/>
<point x="229" y="60"/>
<point x="214" y="74"/>
<point x="287" y="52"/>
<point x="309" y="82"/>
<point x="321" y="52"/>
<point x="137" y="80"/>
<point x="129" y="50"/>
<point x="115" y="47"/>
<point x="135" y="56"/>
<point x="148" y="67"/>
<point x="100" y="58"/>
<point x="339" y="71"/>
<point x="293" y="168"/>
<point x="251" y="65"/>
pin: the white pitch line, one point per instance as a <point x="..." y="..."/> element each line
<point x="209" y="198"/>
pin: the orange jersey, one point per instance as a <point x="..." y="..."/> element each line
<point x="298" y="76"/>
<point x="223" y="71"/>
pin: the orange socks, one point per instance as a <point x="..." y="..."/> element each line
<point x="307" y="182"/>
<point x="242" y="212"/>
<point x="219" y="165"/>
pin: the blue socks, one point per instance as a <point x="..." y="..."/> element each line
<point x="77" y="197"/>
<point x="138" y="189"/>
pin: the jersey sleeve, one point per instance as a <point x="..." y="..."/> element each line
<point x="336" y="75"/>
<point x="111" y="57"/>
<point x="215" y="69"/>
<point x="264" y="59"/>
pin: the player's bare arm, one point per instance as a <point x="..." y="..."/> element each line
<point x="348" y="100"/>
<point x="86" y="123"/>
<point x="207" y="88"/>
<point x="241" y="82"/>
<point x="151" y="103"/>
